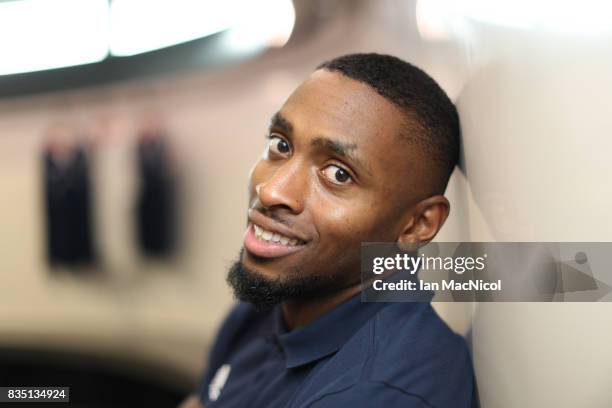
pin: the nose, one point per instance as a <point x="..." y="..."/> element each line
<point x="284" y="188"/>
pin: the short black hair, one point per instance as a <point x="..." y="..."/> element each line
<point x="433" y="122"/>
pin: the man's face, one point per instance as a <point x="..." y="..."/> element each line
<point x="335" y="173"/>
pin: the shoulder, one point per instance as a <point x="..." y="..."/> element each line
<point x="415" y="352"/>
<point x="405" y="356"/>
<point x="416" y="326"/>
<point x="370" y="394"/>
<point x="240" y="318"/>
<point x="242" y="323"/>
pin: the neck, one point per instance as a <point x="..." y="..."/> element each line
<point x="300" y="312"/>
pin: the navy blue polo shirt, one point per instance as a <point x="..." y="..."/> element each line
<point x="358" y="355"/>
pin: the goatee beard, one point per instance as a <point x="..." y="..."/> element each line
<point x="264" y="293"/>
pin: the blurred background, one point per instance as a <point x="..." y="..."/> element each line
<point x="128" y="128"/>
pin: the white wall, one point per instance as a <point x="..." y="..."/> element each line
<point x="536" y="133"/>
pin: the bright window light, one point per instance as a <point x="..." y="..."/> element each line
<point x="266" y="23"/>
<point x="434" y="19"/>
<point x="139" y="26"/>
<point x="584" y="16"/>
<point x="437" y="19"/>
<point x="42" y="34"/>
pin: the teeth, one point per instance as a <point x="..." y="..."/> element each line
<point x="265" y="235"/>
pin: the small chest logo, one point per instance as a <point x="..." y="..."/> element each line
<point x="218" y="381"/>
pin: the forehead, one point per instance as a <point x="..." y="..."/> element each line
<point x="331" y="104"/>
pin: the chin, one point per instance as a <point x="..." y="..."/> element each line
<point x="262" y="266"/>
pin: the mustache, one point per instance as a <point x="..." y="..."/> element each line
<point x="276" y="215"/>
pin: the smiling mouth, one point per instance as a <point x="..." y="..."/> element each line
<point x="269" y="244"/>
<point x="270" y="236"/>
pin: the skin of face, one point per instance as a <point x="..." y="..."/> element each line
<point x="330" y="127"/>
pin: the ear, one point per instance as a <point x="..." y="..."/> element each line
<point x="428" y="216"/>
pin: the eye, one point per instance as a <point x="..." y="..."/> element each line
<point x="278" y="145"/>
<point x="337" y="175"/>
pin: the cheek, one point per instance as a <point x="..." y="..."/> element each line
<point x="344" y="222"/>
<point x="342" y="229"/>
<point x="347" y="222"/>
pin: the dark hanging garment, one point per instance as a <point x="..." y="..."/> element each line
<point x="68" y="212"/>
<point x="156" y="200"/>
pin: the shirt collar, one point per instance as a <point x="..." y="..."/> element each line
<point x="328" y="333"/>
<point x="324" y="335"/>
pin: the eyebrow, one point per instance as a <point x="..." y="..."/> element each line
<point x="282" y="123"/>
<point x="342" y="149"/>
<point x="336" y="147"/>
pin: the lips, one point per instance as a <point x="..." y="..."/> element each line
<point x="268" y="238"/>
<point x="271" y="236"/>
<point x="268" y="244"/>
